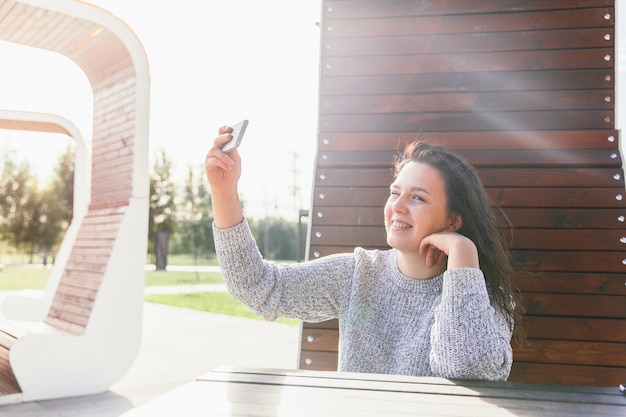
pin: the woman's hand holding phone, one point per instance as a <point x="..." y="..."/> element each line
<point x="223" y="171"/>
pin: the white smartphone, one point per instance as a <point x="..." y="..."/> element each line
<point x="237" y="135"/>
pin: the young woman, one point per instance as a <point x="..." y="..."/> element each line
<point x="438" y="303"/>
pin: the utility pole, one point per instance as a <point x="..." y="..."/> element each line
<point x="295" y="173"/>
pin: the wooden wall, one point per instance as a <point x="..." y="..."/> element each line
<point x="525" y="89"/>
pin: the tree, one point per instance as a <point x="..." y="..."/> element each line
<point x="162" y="200"/>
<point x="34" y="219"/>
<point x="63" y="183"/>
<point x="276" y="237"/>
<point x="195" y="231"/>
<point x="18" y="203"/>
<point x="57" y="202"/>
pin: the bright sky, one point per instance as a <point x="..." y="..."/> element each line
<point x="212" y="63"/>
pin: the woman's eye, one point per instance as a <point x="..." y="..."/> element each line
<point x="417" y="197"/>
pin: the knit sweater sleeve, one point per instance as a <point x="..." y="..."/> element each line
<point x="470" y="339"/>
<point x="309" y="291"/>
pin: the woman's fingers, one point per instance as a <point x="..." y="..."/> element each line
<point x="218" y="160"/>
<point x="434" y="256"/>
<point x="215" y="156"/>
<point x="224" y="135"/>
<point x="430" y="246"/>
<point x="222" y="169"/>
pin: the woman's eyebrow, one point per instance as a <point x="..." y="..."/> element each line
<point x="412" y="189"/>
<point x="422" y="189"/>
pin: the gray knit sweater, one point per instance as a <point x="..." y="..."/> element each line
<point x="388" y="322"/>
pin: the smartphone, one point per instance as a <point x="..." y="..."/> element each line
<point x="237" y="135"/>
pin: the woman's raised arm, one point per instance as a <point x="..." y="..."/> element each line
<point x="223" y="171"/>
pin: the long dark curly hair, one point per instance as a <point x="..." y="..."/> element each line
<point x="467" y="197"/>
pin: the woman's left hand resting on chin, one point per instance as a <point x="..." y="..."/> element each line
<point x="460" y="250"/>
<point x="223" y="171"/>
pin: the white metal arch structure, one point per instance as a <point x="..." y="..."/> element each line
<point x="92" y="331"/>
<point x="36" y="308"/>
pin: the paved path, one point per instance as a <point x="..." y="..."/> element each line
<point x="178" y="345"/>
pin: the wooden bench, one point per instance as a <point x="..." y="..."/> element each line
<point x="523" y="90"/>
<point x="8" y="382"/>
<point x="68" y="342"/>
<point x="91" y="330"/>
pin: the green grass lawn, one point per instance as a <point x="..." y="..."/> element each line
<point x="20" y="278"/>
<point x="14" y="278"/>
<point x="188" y="260"/>
<point x="213" y="302"/>
<point x="158" y="278"/>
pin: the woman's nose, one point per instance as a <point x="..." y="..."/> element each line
<point x="399" y="204"/>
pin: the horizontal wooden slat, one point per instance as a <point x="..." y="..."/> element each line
<point x="474" y="101"/>
<point x="68" y="305"/>
<point x="569" y="239"/>
<point x="521" y="218"/>
<point x="574" y="305"/>
<point x="66" y="325"/>
<point x="422" y="123"/>
<point x="533" y="261"/>
<point x="503" y="197"/>
<point x="384" y="9"/>
<point x="322" y="361"/>
<point x="572" y="352"/>
<point x="567" y="374"/>
<point x="552" y="177"/>
<point x="478" y="81"/>
<point x="533" y="139"/>
<point x="81" y="295"/>
<point x="6" y="340"/>
<point x="81" y="267"/>
<point x="506" y="21"/>
<point x="557" y="197"/>
<point x="326" y="324"/>
<point x="345" y="236"/>
<point x="88" y="279"/>
<point x="479" y="62"/>
<point x="344" y="216"/>
<point x="524" y="239"/>
<point x="564" y="218"/>
<point x="485" y="158"/>
<point x="473" y="42"/>
<point x="320" y="339"/>
<point x="572" y="261"/>
<point x="490" y="177"/>
<point x="575" y="328"/>
<point x="52" y="35"/>
<point x="8" y="382"/>
<point x="100" y="224"/>
<point x="572" y="283"/>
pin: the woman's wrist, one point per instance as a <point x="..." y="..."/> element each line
<point x="463" y="254"/>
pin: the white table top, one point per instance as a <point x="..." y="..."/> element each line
<point x="275" y="392"/>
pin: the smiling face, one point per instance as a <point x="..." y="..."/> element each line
<point x="417" y="207"/>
